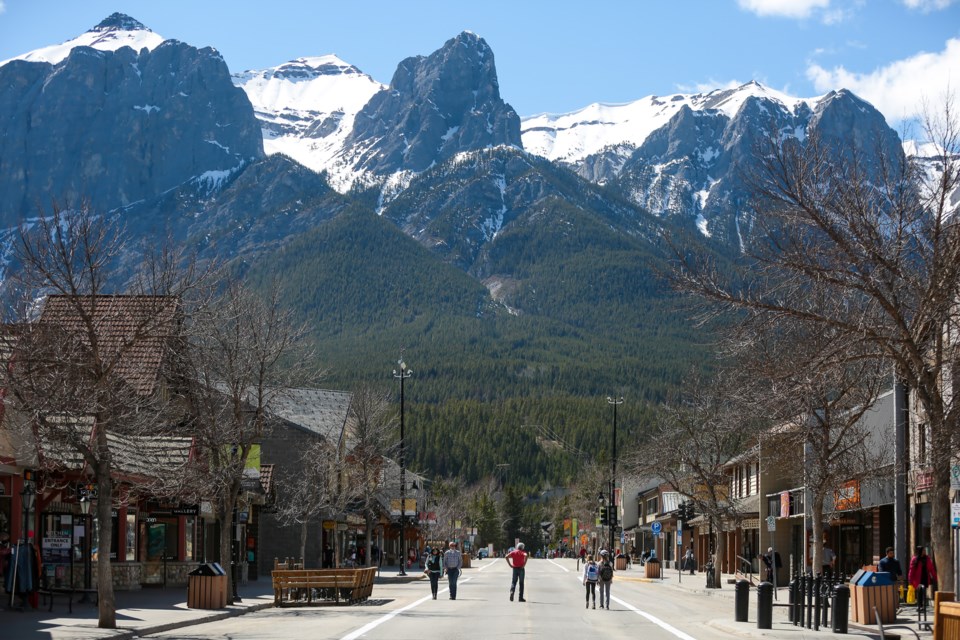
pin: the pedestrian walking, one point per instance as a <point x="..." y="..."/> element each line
<point x="689" y="562"/>
<point x="517" y="559"/>
<point x="433" y="569"/>
<point x="452" y="564"/>
<point x="582" y="558"/>
<point x="591" y="574"/>
<point x="606" y="578"/>
<point x="922" y="574"/>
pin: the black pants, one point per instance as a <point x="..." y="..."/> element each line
<point x="434" y="582"/>
<point x="591" y="591"/>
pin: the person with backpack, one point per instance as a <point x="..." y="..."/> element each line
<point x="433" y="569"/>
<point x="591" y="573"/>
<point x="606" y="578"/>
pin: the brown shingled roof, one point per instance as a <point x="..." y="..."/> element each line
<point x="131" y="331"/>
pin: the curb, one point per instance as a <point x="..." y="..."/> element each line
<point x="131" y="634"/>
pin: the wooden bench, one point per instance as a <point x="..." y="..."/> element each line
<point x="319" y="586"/>
<point x="49" y="592"/>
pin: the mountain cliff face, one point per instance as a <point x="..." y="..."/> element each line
<point x="436" y="107"/>
<point x="116" y="127"/>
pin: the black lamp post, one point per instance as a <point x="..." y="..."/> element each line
<point x="402" y="374"/>
<point x="85" y="510"/>
<point x="612" y="512"/>
<point x="27" y="498"/>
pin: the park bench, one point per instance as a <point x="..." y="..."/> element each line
<point x="48" y="593"/>
<point x="322" y="586"/>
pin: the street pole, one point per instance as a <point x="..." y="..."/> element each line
<point x="403" y="374"/>
<point x="612" y="513"/>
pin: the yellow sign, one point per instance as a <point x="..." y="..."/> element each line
<point x="410" y="507"/>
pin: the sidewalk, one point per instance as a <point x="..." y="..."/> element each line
<point x="782" y="627"/>
<point x="150" y="610"/>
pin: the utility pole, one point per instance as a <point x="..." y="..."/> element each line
<point x="612" y="513"/>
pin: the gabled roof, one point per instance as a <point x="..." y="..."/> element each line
<point x="144" y="456"/>
<point x="319" y="411"/>
<point x="131" y="330"/>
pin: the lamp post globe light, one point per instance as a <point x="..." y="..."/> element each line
<point x="402" y="374"/>
<point x="88" y="528"/>
<point x="612" y="511"/>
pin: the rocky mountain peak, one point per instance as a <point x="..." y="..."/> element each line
<point x="119" y="22"/>
<point x="436" y="106"/>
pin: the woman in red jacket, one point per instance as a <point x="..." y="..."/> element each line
<point x="921" y="575"/>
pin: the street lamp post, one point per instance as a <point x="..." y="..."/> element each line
<point x="27" y="497"/>
<point x="402" y="374"/>
<point x="612" y="512"/>
<point x="85" y="548"/>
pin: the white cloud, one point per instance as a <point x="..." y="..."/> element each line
<point x="3" y="6"/>
<point x="708" y="86"/>
<point x="899" y="89"/>
<point x="785" y="8"/>
<point x="928" y="5"/>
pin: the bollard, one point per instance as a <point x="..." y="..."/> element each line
<point x="817" y="601"/>
<point x="792" y="604"/>
<point x="827" y="593"/>
<point x="809" y="597"/>
<point x="741" y="600"/>
<point x="841" y="608"/>
<point x="764" y="605"/>
<point x="711" y="578"/>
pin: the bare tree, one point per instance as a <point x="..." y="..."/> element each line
<point x="313" y="487"/>
<point x="88" y="372"/>
<point x="244" y="353"/>
<point x="691" y="445"/>
<point x="371" y="441"/>
<point x="816" y="388"/>
<point x="883" y="236"/>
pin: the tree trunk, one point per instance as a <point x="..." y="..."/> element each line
<point x="304" y="527"/>
<point x="107" y="611"/>
<point x="816" y="535"/>
<point x="940" y="519"/>
<point x="225" y="518"/>
<point x="719" y="554"/>
<point x="368" y="552"/>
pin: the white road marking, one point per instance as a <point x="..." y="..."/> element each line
<point x="655" y="620"/>
<point x="652" y="618"/>
<point x="379" y="621"/>
<point x="557" y="564"/>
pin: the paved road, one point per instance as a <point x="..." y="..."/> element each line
<point x="554" y="609"/>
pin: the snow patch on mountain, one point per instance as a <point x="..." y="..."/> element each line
<point x="307" y="108"/>
<point x="113" y="33"/>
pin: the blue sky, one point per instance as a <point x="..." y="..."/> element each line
<point x="558" y="56"/>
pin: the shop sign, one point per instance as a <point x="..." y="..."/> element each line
<point x="329" y="525"/>
<point x="186" y="510"/>
<point x="847" y="497"/>
<point x="923" y="480"/>
<point x="955" y="477"/>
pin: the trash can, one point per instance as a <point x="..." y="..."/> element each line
<point x="466" y="561"/>
<point x="652" y="568"/>
<point x="207" y="587"/>
<point x="620" y="563"/>
<point x="875" y="590"/>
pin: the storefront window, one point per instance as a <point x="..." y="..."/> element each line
<point x="189" y="531"/>
<point x="131" y="536"/>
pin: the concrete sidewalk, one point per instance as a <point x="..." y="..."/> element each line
<point x="905" y="627"/>
<point x="139" y="613"/>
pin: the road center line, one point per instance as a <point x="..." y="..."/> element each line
<point x="655" y="620"/>
<point x="557" y="564"/>
<point x="652" y="618"/>
<point x="379" y="621"/>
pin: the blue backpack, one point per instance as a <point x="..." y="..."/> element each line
<point x="593" y="572"/>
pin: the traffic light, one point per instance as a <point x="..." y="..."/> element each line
<point x="685" y="511"/>
<point x="603" y="516"/>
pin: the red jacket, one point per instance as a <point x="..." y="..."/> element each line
<point x="916" y="569"/>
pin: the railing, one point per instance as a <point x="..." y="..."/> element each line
<point x="746" y="567"/>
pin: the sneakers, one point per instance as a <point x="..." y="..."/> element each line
<point x="511" y="596"/>
<point x="520" y="600"/>
<point x="594" y="605"/>
<point x="601" y="605"/>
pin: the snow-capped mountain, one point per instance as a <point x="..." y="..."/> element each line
<point x="307" y="106"/>
<point x="117" y="31"/>
<point x="573" y="138"/>
<point x="112" y="125"/>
